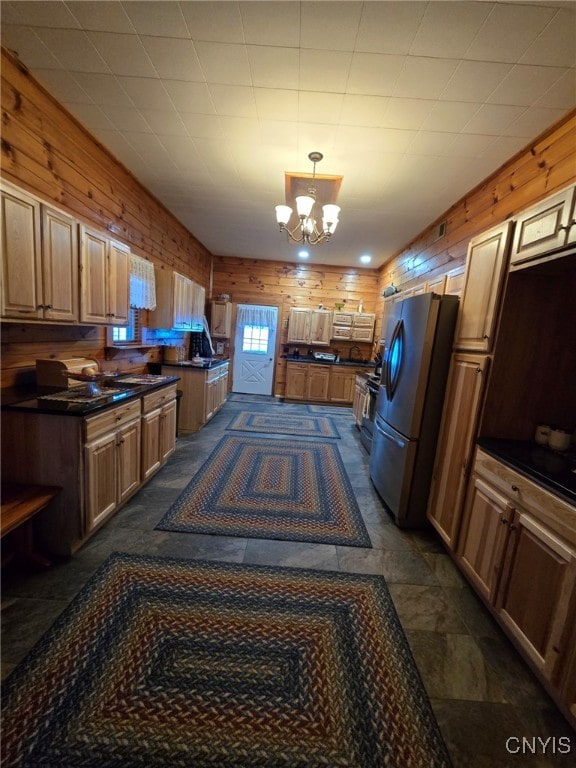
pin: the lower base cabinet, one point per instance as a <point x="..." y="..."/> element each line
<point x="158" y="430"/>
<point x="360" y="392"/>
<point x="204" y="391"/>
<point x="321" y="383"/>
<point x="517" y="546"/>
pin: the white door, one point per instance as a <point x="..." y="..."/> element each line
<point x="254" y="349"/>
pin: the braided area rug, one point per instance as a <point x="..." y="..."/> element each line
<point x="266" y="488"/>
<point x="285" y="424"/>
<point x="166" y="663"/>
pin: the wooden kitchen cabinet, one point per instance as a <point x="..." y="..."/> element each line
<point x="309" y="326"/>
<point x="455" y="280"/>
<point x="175" y="301"/>
<point x="296" y="380"/>
<point x="158" y="429"/>
<point x="524" y="567"/>
<point x="455" y="448"/>
<point x="360" y="392"/>
<point x="545" y="228"/>
<point x="220" y="319"/>
<point x="112" y="461"/>
<point x="307" y="381"/>
<point x="343" y="383"/>
<point x="39" y="260"/>
<point x="204" y="391"/>
<point x="104" y="279"/>
<point x="486" y="265"/>
<point x="356" y="326"/>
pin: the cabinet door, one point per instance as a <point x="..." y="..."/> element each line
<point x="537" y="582"/>
<point x="362" y="334"/>
<point x="129" y="443"/>
<point x="360" y="390"/>
<point x="93" y="277"/>
<point x="485" y="267"/>
<point x="341" y="388"/>
<point x="320" y="327"/>
<point x="436" y="285"/>
<point x="565" y="673"/>
<point x="151" y="458"/>
<point x="464" y="392"/>
<point x="299" y="326"/>
<point x="220" y="319"/>
<point x="544" y="227"/>
<point x="211" y="399"/>
<point x="59" y="265"/>
<point x="484" y="533"/>
<point x="167" y="431"/>
<point x="342" y="332"/>
<point x="21" y="257"/>
<point x="118" y="283"/>
<point x="317" y="382"/>
<point x="455" y="279"/>
<point x="101" y="479"/>
<point x="296" y="377"/>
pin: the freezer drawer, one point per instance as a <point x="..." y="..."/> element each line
<point x="392" y="461"/>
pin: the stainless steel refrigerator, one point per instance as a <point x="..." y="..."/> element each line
<point x="419" y="338"/>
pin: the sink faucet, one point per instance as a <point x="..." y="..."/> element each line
<point x="352" y="350"/>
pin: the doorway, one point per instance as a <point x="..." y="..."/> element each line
<point x="254" y="349"/>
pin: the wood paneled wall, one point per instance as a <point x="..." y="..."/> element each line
<point x="286" y="285"/>
<point x="47" y="152"/>
<point x="544" y="166"/>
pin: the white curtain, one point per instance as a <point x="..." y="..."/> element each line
<point x="142" y="283"/>
<point x="253" y="315"/>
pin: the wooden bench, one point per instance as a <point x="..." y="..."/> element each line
<point x="19" y="505"/>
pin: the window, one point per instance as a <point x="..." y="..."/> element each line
<point x="255" y="339"/>
<point x="130" y="334"/>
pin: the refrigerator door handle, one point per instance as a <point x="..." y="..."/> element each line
<point x="395" y="358"/>
<point x="381" y="431"/>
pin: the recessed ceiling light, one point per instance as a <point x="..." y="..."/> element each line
<point x="303" y="254"/>
<point x="366" y="258"/>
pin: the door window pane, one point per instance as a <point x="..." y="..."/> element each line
<point x="255" y="339"/>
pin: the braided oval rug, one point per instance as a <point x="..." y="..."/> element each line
<point x="262" y="487"/>
<point x="167" y="663"/>
<point x="285" y="424"/>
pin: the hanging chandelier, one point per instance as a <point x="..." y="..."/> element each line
<point x="306" y="231"/>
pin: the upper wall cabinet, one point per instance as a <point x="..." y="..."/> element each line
<point x="544" y="229"/>
<point x="176" y="302"/>
<point x="485" y="268"/>
<point x="221" y="319"/>
<point x="309" y="326"/>
<point x="39" y="260"/>
<point x="104" y="279"/>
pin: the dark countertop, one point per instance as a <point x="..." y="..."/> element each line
<point x="214" y="363"/>
<point x="553" y="470"/>
<point x="346" y="363"/>
<point x="26" y="400"/>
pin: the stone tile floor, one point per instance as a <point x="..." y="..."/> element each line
<point x="482" y="693"/>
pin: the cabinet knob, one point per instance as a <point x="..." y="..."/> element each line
<point x="515" y="488"/>
<point x="504" y="521"/>
<point x="513" y="527"/>
<point x="485" y="336"/>
<point x="478" y="370"/>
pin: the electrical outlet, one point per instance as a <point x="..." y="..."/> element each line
<point x="219" y="347"/>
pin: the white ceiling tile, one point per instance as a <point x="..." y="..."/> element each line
<point x="507" y="34"/>
<point x="201" y="126"/>
<point x="244" y="130"/>
<point x="407" y="113"/>
<point x="423" y="77"/>
<point x="503" y="148"/>
<point x="450" y="116"/>
<point x="276" y="103"/>
<point x="148" y="146"/>
<point x="474" y="81"/>
<point x="555" y="46"/>
<point x="183" y="150"/>
<point x="369" y="111"/>
<point x="319" y="107"/>
<point x="274" y="67"/>
<point x="115" y="142"/>
<point x="532" y="122"/>
<point x="562" y="95"/>
<point x="320" y="28"/>
<point x="315" y="137"/>
<point x="162" y="19"/>
<point x="126" y="119"/>
<point x="124" y="54"/>
<point x="46" y="14"/>
<point x="91" y="116"/>
<point x="279" y="134"/>
<point x="73" y="49"/>
<point x="467" y="145"/>
<point x="103" y="89"/>
<point x="164" y="123"/>
<point x="433" y="143"/>
<point x="378" y="139"/>
<point x="389" y="27"/>
<point x="174" y="59"/>
<point x="236" y="101"/>
<point x="216" y="22"/>
<point x="190" y="97"/>
<point x="28" y="47"/>
<point x="492" y="119"/>
<point x="451" y="32"/>
<point x="224" y="63"/>
<point x="324" y="70"/>
<point x="146" y="92"/>
<point x="101" y="16"/>
<point x="62" y="86"/>
<point x="525" y="84"/>
<point x="271" y="23"/>
<point x="374" y="74"/>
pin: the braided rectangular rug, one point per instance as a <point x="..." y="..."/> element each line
<point x="267" y="488"/>
<point x="166" y="663"/>
<point x="285" y="424"/>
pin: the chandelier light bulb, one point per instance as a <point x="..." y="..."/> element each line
<point x="283" y="214"/>
<point x="304" y="205"/>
